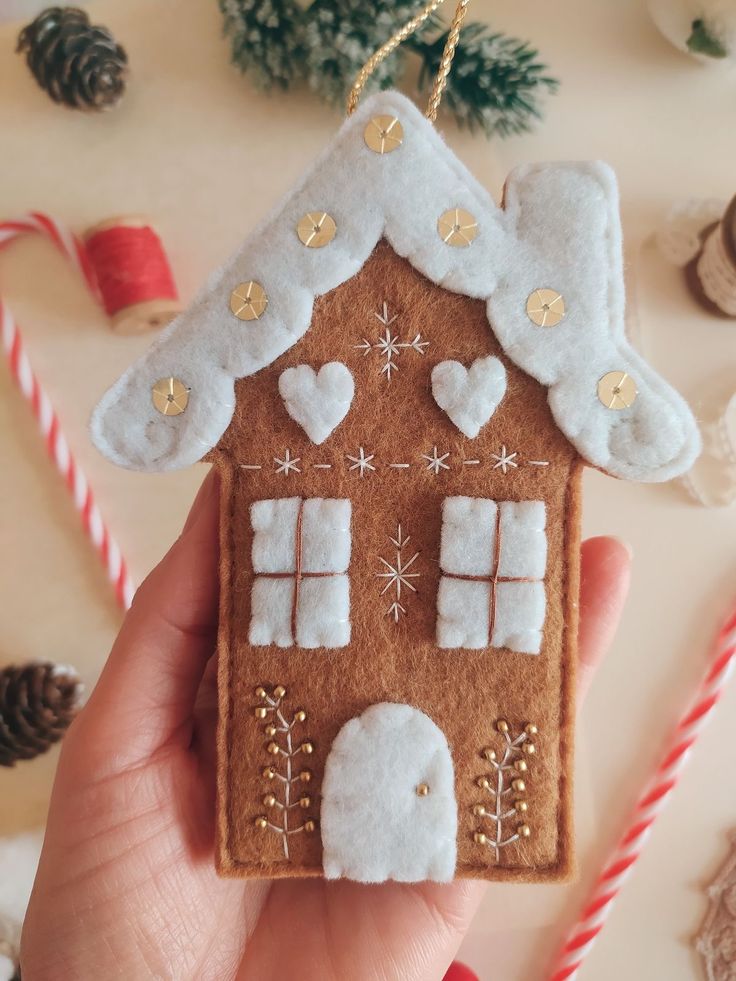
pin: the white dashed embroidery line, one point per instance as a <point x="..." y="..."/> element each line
<point x="435" y="462"/>
<point x="287" y="465"/>
<point x="322" y="466"/>
<point x="470" y="463"/>
<point x="538" y="463"/>
<point x="250" y="466"/>
<point x="362" y="463"/>
<point x="390" y="345"/>
<point x="398" y="574"/>
<point x="400" y="466"/>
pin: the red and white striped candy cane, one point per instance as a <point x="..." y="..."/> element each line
<point x="44" y="412"/>
<point x="650" y="805"/>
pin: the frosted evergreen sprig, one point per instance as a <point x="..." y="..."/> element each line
<point x="495" y="85"/>
<point x="265" y="39"/>
<point x="495" y="82"/>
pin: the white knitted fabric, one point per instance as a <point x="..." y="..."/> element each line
<point x="560" y="229"/>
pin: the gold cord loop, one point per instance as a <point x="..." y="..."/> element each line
<point x="448" y="54"/>
<point x="393" y="42"/>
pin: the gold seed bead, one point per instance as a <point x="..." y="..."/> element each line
<point x="269" y="800"/>
<point x="305" y="776"/>
<point x="530" y="729"/>
<point x="261" y="713"/>
<point x="502" y="725"/>
<point x="305" y="802"/>
<point x="479" y="838"/>
<point x="309" y="826"/>
<point x="307" y="748"/>
<point x="270" y="730"/>
<point x="269" y="773"/>
<point x="422" y="789"/>
<point x="483" y="783"/>
<point x="529" y="748"/>
<point x="489" y="754"/>
<point x="279" y="691"/>
<point x="521" y="806"/>
<point x="260" y="692"/>
<point x="261" y="822"/>
<point x="273" y="748"/>
<point x="300" y="716"/>
<point x="519" y="786"/>
<point x="524" y="830"/>
<point x="479" y="810"/>
<point x="520" y="766"/>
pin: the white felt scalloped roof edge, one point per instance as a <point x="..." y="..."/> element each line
<point x="560" y="228"/>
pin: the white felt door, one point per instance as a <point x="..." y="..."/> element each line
<point x="388" y="799"/>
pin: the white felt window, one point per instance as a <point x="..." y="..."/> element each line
<point x="301" y="552"/>
<point x="493" y="556"/>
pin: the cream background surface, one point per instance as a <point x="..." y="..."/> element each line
<point x="195" y="148"/>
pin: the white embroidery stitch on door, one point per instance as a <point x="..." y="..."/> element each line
<point x="301" y="553"/>
<point x="493" y="557"/>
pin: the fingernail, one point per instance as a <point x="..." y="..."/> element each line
<point x="626" y="546"/>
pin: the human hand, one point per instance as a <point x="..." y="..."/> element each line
<point x="126" y="886"/>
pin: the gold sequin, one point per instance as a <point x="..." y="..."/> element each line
<point x="457" y="227"/>
<point x="422" y="789"/>
<point x="383" y="134"/>
<point x="248" y="301"/>
<point x="316" y="229"/>
<point x="170" y="396"/>
<point x="617" y="390"/>
<point x="545" y="307"/>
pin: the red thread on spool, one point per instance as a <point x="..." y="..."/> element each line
<point x="133" y="273"/>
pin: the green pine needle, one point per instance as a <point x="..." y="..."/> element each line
<point x="495" y="83"/>
<point x="265" y="39"/>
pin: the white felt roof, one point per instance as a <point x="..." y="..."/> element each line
<point x="560" y="228"/>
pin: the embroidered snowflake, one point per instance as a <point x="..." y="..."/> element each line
<point x="362" y="462"/>
<point x="390" y="345"/>
<point x="504" y="460"/>
<point x="398" y="574"/>
<point x="287" y="465"/>
<point x="435" y="462"/>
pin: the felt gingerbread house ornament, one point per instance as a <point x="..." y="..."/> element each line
<point x="399" y="383"/>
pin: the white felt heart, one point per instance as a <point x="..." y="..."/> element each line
<point x="318" y="401"/>
<point x="469" y="396"/>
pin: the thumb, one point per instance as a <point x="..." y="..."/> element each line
<point x="145" y="695"/>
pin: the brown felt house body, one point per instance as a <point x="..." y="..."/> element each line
<point x="400" y="533"/>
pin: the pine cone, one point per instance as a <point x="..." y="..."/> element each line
<point x="37" y="703"/>
<point x="78" y="64"/>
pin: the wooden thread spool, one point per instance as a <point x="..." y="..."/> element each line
<point x="711" y="274"/>
<point x="133" y="274"/>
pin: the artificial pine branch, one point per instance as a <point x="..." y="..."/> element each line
<point x="495" y="81"/>
<point x="38" y="701"/>
<point x="265" y="39"/>
<point x="494" y="86"/>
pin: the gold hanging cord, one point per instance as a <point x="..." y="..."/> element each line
<point x="404" y="32"/>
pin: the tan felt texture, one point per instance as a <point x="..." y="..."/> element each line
<point x="463" y="691"/>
